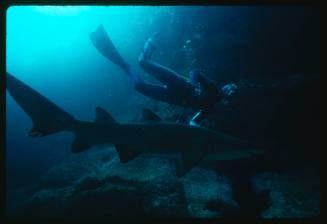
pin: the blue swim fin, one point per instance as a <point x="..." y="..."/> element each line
<point x="104" y="45"/>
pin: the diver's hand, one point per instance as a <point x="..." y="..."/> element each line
<point x="229" y="89"/>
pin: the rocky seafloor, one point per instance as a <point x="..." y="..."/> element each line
<point x="283" y="183"/>
<point x="95" y="186"/>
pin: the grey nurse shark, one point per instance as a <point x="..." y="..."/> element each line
<point x="150" y="135"/>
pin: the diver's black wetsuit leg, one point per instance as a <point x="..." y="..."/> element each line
<point x="153" y="91"/>
<point x="165" y="75"/>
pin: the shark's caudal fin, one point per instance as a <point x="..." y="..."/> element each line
<point x="47" y="117"/>
<point x="104" y="45"/>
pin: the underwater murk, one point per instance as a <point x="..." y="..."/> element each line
<point x="100" y="125"/>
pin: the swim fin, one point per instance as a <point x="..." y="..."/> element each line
<point x="104" y="45"/>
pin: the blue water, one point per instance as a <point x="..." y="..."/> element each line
<point x="49" y="49"/>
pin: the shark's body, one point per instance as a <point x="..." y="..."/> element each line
<point x="149" y="136"/>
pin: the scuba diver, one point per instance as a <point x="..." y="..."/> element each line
<point x="199" y="92"/>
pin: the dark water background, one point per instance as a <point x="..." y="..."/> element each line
<point x="50" y="50"/>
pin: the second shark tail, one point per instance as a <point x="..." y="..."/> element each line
<point x="47" y="117"/>
<point x="104" y="45"/>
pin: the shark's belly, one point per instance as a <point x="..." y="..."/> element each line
<point x="156" y="138"/>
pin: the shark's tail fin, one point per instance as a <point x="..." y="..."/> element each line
<point x="47" y="117"/>
<point x="102" y="42"/>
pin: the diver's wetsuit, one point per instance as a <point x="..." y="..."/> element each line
<point x="177" y="90"/>
<point x="200" y="94"/>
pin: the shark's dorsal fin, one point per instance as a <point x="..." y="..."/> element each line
<point x="102" y="116"/>
<point x="149" y="116"/>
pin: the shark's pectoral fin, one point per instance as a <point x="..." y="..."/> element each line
<point x="126" y="153"/>
<point x="80" y="144"/>
<point x="188" y="160"/>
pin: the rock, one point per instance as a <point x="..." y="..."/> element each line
<point x="109" y="202"/>
<point x="295" y="193"/>
<point x="148" y="187"/>
<point x="88" y="183"/>
<point x="76" y="166"/>
<point x="165" y="199"/>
